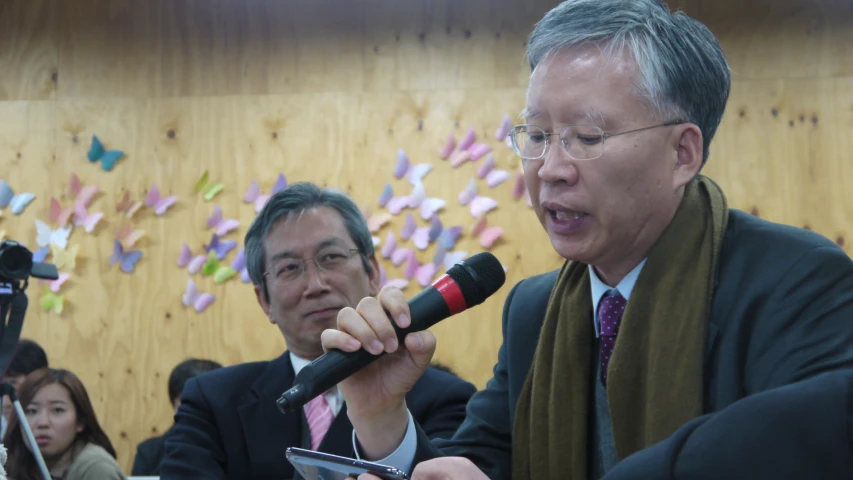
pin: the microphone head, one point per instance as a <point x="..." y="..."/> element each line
<point x="478" y="277"/>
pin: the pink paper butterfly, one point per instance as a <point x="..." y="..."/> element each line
<point x="468" y="140"/>
<point x="55" y="285"/>
<point x="423" y="273"/>
<point x="478" y="150"/>
<point x="459" y="157"/>
<point x="186" y="259"/>
<point x="57" y="214"/>
<point x="503" y="131"/>
<point x="81" y="193"/>
<point x="222" y="226"/>
<point x="254" y="195"/>
<point x="199" y="301"/>
<point x="128" y="236"/>
<point x="404" y="168"/>
<point x="376" y="221"/>
<point x="423" y="236"/>
<point x="84" y="218"/>
<point x="493" y="177"/>
<point x="158" y="203"/>
<point x="399" y="283"/>
<point x="519" y="189"/>
<point x="448" y="147"/>
<point x="488" y="235"/>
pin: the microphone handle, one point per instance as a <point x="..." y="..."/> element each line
<point x="427" y="308"/>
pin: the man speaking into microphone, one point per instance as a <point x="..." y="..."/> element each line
<point x="681" y="339"/>
<point x="309" y="254"/>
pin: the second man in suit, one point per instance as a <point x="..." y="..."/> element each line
<point x="309" y="254"/>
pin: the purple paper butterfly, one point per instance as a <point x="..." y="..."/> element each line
<point x="127" y="260"/>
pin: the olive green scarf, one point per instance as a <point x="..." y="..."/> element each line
<point x="655" y="376"/>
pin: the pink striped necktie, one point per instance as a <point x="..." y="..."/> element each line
<point x="320" y="417"/>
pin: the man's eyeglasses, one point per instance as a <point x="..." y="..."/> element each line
<point x="288" y="270"/>
<point x="581" y="142"/>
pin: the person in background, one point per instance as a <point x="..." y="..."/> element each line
<point x="29" y="357"/>
<point x="66" y="429"/>
<point x="310" y="255"/>
<point x="150" y="452"/>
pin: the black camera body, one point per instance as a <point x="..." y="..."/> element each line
<point x="16" y="264"/>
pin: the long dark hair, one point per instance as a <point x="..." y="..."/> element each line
<point x="21" y="463"/>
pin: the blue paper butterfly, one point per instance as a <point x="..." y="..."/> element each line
<point x="127" y="260"/>
<point x="108" y="158"/>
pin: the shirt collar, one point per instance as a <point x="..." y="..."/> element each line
<point x="600" y="289"/>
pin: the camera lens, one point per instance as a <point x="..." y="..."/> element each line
<point x="16" y="262"/>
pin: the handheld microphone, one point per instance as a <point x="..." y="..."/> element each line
<point x="465" y="285"/>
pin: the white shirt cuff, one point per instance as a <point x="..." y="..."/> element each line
<point x="404" y="455"/>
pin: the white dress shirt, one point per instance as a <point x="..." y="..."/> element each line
<point x="333" y="396"/>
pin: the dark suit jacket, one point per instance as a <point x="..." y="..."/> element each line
<point x="228" y="425"/>
<point x="782" y="312"/>
<point x="149" y="454"/>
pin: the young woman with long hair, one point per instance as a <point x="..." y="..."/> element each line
<point x="59" y="413"/>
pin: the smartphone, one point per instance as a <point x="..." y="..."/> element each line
<point x="324" y="466"/>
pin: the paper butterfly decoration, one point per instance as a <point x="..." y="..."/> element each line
<point x="468" y="140"/>
<point x="478" y="150"/>
<point x="254" y="194"/>
<point x="193" y="263"/>
<point x="421" y="236"/>
<point x="80" y="193"/>
<point x="45" y="236"/>
<point x="51" y="301"/>
<point x="127" y="207"/>
<point x="222" y="226"/>
<point x="199" y="301"/>
<point x="40" y="255"/>
<point x="128" y="236"/>
<point x="64" y="259"/>
<point x="58" y="215"/>
<point x="108" y="158"/>
<point x="502" y="133"/>
<point x="210" y="190"/>
<point x="478" y="205"/>
<point x="424" y="274"/>
<point x="449" y="146"/>
<point x="459" y="157"/>
<point x="488" y="235"/>
<point x="519" y="189"/>
<point x="55" y="285"/>
<point x="493" y="177"/>
<point x="18" y="202"/>
<point x="395" y="205"/>
<point x="375" y="221"/>
<point x="127" y="260"/>
<point x="159" y="203"/>
<point x="221" y="247"/>
<point x="220" y="273"/>
<point x="404" y="168"/>
<point x="239" y="265"/>
<point x="84" y="218"/>
<point x="399" y="283"/>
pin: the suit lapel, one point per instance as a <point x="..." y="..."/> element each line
<point x="267" y="431"/>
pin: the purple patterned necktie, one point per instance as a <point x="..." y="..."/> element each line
<point x="610" y="311"/>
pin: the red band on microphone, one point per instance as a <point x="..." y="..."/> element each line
<point x="452" y="294"/>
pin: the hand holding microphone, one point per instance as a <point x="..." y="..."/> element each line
<point x="375" y="388"/>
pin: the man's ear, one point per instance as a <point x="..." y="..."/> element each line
<point x="374" y="276"/>
<point x="689" y="154"/>
<point x="262" y="300"/>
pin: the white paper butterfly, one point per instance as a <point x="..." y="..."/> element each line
<point x="45" y="236"/>
<point x="18" y="202"/>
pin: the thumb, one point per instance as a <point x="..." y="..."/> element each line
<point x="421" y="347"/>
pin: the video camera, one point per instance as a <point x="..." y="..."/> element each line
<point x="16" y="264"/>
<point x="16" y="268"/>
